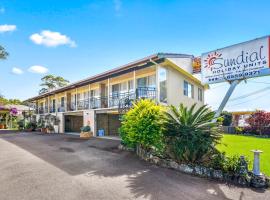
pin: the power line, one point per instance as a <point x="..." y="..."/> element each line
<point x="247" y="100"/>
<point x="250" y="94"/>
<point x="260" y="82"/>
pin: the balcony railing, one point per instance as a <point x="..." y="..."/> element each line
<point x="118" y="100"/>
<point x="52" y="109"/>
<point x="140" y="93"/>
<point x="61" y="108"/>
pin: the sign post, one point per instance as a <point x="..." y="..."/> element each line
<point x="233" y="85"/>
<point x="235" y="63"/>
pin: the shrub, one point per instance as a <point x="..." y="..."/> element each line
<point x="232" y="164"/>
<point x="142" y="125"/>
<point x="227" y="164"/>
<point x="259" y="123"/>
<point x="227" y="118"/>
<point x="31" y="125"/>
<point x="239" y="130"/>
<point x="191" y="136"/>
<point x="20" y="124"/>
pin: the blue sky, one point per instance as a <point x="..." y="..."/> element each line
<point x="77" y="39"/>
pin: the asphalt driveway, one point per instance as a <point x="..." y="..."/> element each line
<point x="34" y="166"/>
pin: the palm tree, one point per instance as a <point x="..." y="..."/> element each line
<point x="3" y="53"/>
<point x="191" y="134"/>
<point x="50" y="82"/>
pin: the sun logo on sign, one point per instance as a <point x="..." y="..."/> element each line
<point x="210" y="60"/>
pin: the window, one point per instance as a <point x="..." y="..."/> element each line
<point x="130" y="85"/>
<point x="162" y="72"/>
<point x="123" y="87"/>
<point x="85" y="95"/>
<point x="94" y="93"/>
<point x="200" y="94"/>
<point x="142" y="82"/>
<point x="62" y="101"/>
<point x="188" y="89"/>
<point x="148" y="81"/>
<point x="152" y="81"/>
<point x="115" y="89"/>
<point x="53" y="105"/>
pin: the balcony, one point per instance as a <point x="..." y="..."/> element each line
<point x="120" y="100"/>
<point x="125" y="103"/>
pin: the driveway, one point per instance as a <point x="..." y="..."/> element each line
<point x="59" y="167"/>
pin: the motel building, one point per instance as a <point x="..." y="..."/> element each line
<point x="100" y="100"/>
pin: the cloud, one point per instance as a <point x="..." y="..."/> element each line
<point x="38" y="69"/>
<point x="16" y="70"/>
<point x="117" y="5"/>
<point x="7" y="28"/>
<point x="51" y="39"/>
<point x="2" y="10"/>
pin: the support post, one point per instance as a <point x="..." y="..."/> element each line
<point x="76" y="100"/>
<point x="89" y="96"/>
<point x="108" y="93"/>
<point x="233" y="84"/>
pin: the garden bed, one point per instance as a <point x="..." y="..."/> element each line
<point x="248" y="180"/>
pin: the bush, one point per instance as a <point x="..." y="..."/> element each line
<point x="227" y="118"/>
<point x="227" y="164"/>
<point x="31" y="125"/>
<point x="20" y="124"/>
<point x="239" y="130"/>
<point x="142" y="125"/>
<point x="259" y="123"/>
<point x="191" y="136"/>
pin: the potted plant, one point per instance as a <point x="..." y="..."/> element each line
<point x="41" y="125"/>
<point x="2" y="126"/>
<point x="86" y="132"/>
<point x="49" y="128"/>
<point x="28" y="126"/>
<point x="56" y="124"/>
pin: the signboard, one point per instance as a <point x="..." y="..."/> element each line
<point x="240" y="61"/>
<point x="196" y="65"/>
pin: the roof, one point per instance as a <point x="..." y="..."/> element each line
<point x="141" y="63"/>
<point x="242" y="112"/>
<point x="18" y="107"/>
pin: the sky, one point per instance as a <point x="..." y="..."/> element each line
<point x="78" y="39"/>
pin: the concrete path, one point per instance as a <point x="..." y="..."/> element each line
<point x="59" y="167"/>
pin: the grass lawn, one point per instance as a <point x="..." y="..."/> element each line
<point x="241" y="145"/>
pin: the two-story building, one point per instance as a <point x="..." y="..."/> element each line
<point x="101" y="99"/>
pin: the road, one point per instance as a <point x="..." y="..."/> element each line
<point x="57" y="167"/>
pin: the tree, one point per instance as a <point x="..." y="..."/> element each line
<point x="227" y="118"/>
<point x="259" y="122"/>
<point x="3" y="53"/>
<point x="4" y="101"/>
<point x="50" y="82"/>
<point x="191" y="135"/>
